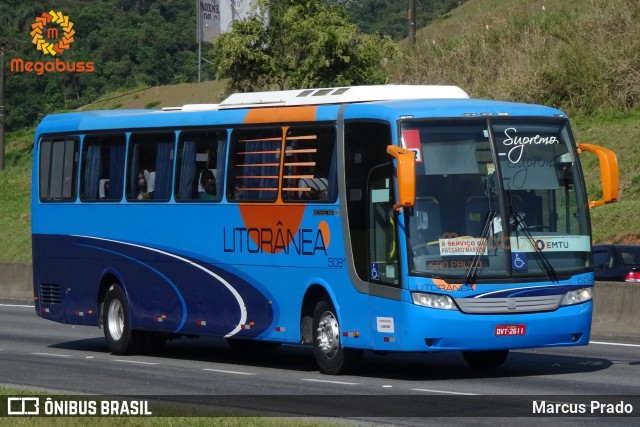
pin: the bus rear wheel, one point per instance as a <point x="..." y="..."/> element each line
<point x="485" y="359"/>
<point x="117" y="325"/>
<point x="331" y="357"/>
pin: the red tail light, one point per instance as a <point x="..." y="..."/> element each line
<point x="632" y="276"/>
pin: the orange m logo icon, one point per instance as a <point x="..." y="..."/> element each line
<point x="52" y="47"/>
<point x="52" y="33"/>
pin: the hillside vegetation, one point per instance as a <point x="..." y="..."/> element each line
<point x="582" y="56"/>
<point x="136" y="44"/>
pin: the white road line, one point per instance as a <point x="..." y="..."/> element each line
<point x="137" y="362"/>
<point x="444" y="392"/>
<point x="51" y="354"/>
<point x="229" y="372"/>
<point x="328" y="381"/>
<point x="17" y="305"/>
<point x="614" y="343"/>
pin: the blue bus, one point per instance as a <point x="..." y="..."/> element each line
<point x="387" y="218"/>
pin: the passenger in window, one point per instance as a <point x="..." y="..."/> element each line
<point x="103" y="190"/>
<point x="142" y="187"/>
<point x="150" y="178"/>
<point x="317" y="188"/>
<point x="208" y="185"/>
<point x="321" y="194"/>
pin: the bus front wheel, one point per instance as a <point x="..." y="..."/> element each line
<point x="331" y="357"/>
<point x="485" y="359"/>
<point x="116" y="323"/>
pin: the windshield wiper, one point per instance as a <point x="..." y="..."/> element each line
<point x="517" y="221"/>
<point x="484" y="236"/>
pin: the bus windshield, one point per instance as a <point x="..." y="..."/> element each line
<point x="496" y="197"/>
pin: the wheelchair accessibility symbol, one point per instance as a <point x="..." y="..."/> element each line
<point x="519" y="260"/>
<point x="375" y="271"/>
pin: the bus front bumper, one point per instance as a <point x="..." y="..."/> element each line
<point x="432" y="329"/>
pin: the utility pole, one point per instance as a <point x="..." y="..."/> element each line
<point x="198" y="17"/>
<point x="2" y="49"/>
<point x="412" y="22"/>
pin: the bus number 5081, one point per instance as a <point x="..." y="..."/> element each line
<point x="336" y="262"/>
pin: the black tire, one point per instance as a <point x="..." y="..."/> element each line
<point x="121" y="339"/>
<point x="331" y="357"/>
<point x="485" y="359"/>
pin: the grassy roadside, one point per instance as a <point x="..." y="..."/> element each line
<point x="618" y="222"/>
<point x="15" y="193"/>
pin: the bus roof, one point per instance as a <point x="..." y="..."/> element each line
<point x="448" y="108"/>
<point x="341" y="95"/>
<point x="334" y="95"/>
<point x="387" y="102"/>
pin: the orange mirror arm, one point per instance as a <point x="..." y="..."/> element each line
<point x="406" y="169"/>
<point x="608" y="172"/>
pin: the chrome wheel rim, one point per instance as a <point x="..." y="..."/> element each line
<point x="116" y="320"/>
<point x="328" y="334"/>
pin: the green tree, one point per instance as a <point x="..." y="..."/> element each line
<point x="305" y="44"/>
<point x="132" y="43"/>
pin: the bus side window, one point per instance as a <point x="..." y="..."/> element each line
<point x="310" y="164"/>
<point x="58" y="168"/>
<point x="365" y="148"/>
<point x="150" y="166"/>
<point x="254" y="164"/>
<point x="200" y="165"/>
<point x="102" y="177"/>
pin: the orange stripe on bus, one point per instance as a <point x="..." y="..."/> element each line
<point x="281" y="114"/>
<point x="272" y="217"/>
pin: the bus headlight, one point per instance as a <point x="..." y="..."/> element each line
<point x="443" y="302"/>
<point x="578" y="296"/>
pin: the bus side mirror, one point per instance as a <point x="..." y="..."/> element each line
<point x="406" y="167"/>
<point x="608" y="172"/>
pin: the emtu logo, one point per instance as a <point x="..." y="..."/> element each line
<point x="52" y="33"/>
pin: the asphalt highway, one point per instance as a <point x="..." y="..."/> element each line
<point x="397" y="389"/>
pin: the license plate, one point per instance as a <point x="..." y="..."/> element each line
<point x="510" y="330"/>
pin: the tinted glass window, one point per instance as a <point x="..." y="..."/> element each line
<point x="200" y="165"/>
<point x="150" y="166"/>
<point x="365" y="148"/>
<point x="102" y="177"/>
<point x="602" y="259"/>
<point x="496" y="196"/>
<point x="255" y="164"/>
<point x="309" y="165"/>
<point x="58" y="168"/>
<point x="630" y="256"/>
